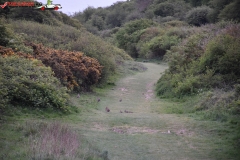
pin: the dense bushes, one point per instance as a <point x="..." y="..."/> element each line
<point x="223" y="56"/>
<point x="194" y="12"/>
<point x="145" y="39"/>
<point x="29" y="83"/>
<point x="4" y="35"/>
<point x="164" y="9"/>
<point x="206" y="65"/>
<point x="171" y="8"/>
<point x="73" y="69"/>
<point x="129" y="35"/>
<point x="69" y="38"/>
<point x="198" y="16"/>
<point x="231" y="12"/>
<point x="203" y="61"/>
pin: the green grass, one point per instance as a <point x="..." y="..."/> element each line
<point x="142" y="134"/>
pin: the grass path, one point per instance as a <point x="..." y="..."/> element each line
<point x="145" y="134"/>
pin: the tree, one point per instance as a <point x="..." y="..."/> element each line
<point x="164" y="9"/>
<point x="231" y="12"/>
<point x="198" y="16"/>
<point x="88" y="12"/>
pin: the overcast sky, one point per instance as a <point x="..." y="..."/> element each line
<point x="71" y="6"/>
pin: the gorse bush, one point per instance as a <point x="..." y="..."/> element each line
<point x="69" y="38"/>
<point x="73" y="69"/>
<point x="29" y="83"/>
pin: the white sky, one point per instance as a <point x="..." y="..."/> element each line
<point x="71" y="6"/>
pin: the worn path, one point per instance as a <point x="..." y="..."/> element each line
<point x="142" y="134"/>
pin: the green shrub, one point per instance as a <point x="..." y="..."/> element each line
<point x="198" y="16"/>
<point x="4" y="34"/>
<point x="223" y="55"/>
<point x="164" y="86"/>
<point x="98" y="22"/>
<point x="128" y="36"/>
<point x="175" y="9"/>
<point x="155" y="41"/>
<point x="17" y="44"/>
<point x="133" y="16"/>
<point x="116" y="18"/>
<point x="65" y="37"/>
<point x="188" y="85"/>
<point x="3" y="93"/>
<point x="30" y="83"/>
<point x="164" y="9"/>
<point x="208" y="59"/>
<point x="231" y="12"/>
<point x="219" y="104"/>
<point x="176" y="23"/>
<point x="158" y="45"/>
<point x="185" y="53"/>
<point x="88" y="12"/>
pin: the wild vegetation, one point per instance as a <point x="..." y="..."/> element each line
<point x="198" y="39"/>
<point x="29" y="83"/>
<point x="188" y="34"/>
<point x="47" y="57"/>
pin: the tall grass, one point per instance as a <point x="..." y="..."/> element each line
<point x="54" y="141"/>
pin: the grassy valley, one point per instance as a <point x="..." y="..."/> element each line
<point x="167" y="70"/>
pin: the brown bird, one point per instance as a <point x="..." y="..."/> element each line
<point x="121" y="112"/>
<point x="125" y="111"/>
<point x="107" y="109"/>
<point x="120" y="100"/>
<point x="98" y="100"/>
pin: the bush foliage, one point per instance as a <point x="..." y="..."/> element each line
<point x="129" y="35"/>
<point x="29" y="83"/>
<point x="198" y="16"/>
<point x="202" y="62"/>
<point x="69" y="38"/>
<point x="73" y="69"/>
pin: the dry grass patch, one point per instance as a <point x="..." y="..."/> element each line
<point x="53" y="140"/>
<point x="133" y="130"/>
